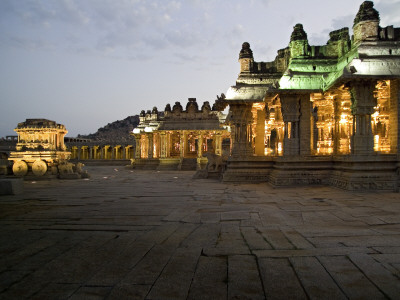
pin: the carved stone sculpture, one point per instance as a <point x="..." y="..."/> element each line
<point x="215" y="162"/>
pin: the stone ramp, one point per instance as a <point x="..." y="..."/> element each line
<point x="146" y="234"/>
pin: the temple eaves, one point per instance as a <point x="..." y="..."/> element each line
<point x="372" y="51"/>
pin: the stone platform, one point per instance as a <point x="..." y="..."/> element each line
<point x="146" y="234"/>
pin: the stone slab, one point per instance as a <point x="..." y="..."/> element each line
<point x="245" y="284"/>
<point x="210" y="279"/>
<point x="279" y="279"/>
<point x="317" y="283"/>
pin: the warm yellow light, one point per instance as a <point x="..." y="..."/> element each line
<point x="343" y="119"/>
<point x="376" y="142"/>
<point x="279" y="148"/>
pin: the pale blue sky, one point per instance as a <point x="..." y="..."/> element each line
<point x="86" y="63"/>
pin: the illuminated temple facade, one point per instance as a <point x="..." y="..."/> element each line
<point x="320" y="114"/>
<point x="177" y="138"/>
<point x="315" y="115"/>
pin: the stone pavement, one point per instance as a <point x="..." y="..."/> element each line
<point x="135" y="234"/>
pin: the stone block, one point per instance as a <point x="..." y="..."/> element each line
<point x="11" y="186"/>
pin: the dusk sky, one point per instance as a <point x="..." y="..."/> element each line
<point x="86" y="63"/>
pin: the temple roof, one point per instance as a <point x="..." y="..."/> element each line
<point x="177" y="118"/>
<point x="39" y="123"/>
<point x="372" y="52"/>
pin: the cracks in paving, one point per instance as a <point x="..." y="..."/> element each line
<point x="367" y="277"/>
<point x="330" y="275"/>
<point x="298" y="279"/>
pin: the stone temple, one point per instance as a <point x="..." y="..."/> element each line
<point x="40" y="147"/>
<point x="177" y="138"/>
<point x="315" y="115"/>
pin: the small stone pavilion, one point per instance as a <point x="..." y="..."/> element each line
<point x="315" y="115"/>
<point x="178" y="138"/>
<point x="320" y="114"/>
<point x="40" y="148"/>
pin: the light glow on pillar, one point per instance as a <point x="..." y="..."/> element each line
<point x="376" y="142"/>
<point x="380" y="122"/>
<point x="280" y="148"/>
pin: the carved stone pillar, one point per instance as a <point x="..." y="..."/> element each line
<point x="241" y="120"/>
<point x="336" y="129"/>
<point x="86" y="152"/>
<point x="291" y="116"/>
<point x="118" y="153"/>
<point x="260" y="132"/>
<point x="394" y="116"/>
<point x="150" y="148"/>
<point x="156" y="145"/>
<point x="218" y="143"/>
<point x="105" y="152"/>
<point x="314" y="130"/>
<point x="182" y="144"/>
<point x="304" y="130"/>
<point x="185" y="143"/>
<point x="138" y="146"/>
<point x="200" y="145"/>
<point x="168" y="145"/>
<point x="199" y="150"/>
<point x="163" y="144"/>
<point x="363" y="102"/>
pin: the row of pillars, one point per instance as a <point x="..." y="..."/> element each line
<point x="160" y="144"/>
<point x="101" y="152"/>
<point x="296" y="114"/>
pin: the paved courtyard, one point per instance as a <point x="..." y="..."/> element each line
<point x="130" y="234"/>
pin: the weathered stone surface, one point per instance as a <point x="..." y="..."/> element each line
<point x="210" y="279"/>
<point x="246" y="283"/>
<point x="349" y="278"/>
<point x="279" y="279"/>
<point x="174" y="282"/>
<point x="316" y="281"/>
<point x="381" y="277"/>
<point x="144" y="235"/>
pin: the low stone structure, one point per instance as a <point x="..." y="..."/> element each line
<point x="178" y="138"/>
<point x="91" y="151"/>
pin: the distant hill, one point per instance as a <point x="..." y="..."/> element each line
<point x="115" y="132"/>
